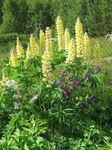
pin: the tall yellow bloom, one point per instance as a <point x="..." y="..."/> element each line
<point x="13" y="58"/>
<point x="48" y="40"/>
<point x="4" y="77"/>
<point x="19" y="49"/>
<point x="46" y="67"/>
<point x="71" y="52"/>
<point x="79" y="38"/>
<point x="29" y="52"/>
<point x="42" y="41"/>
<point x="87" y="50"/>
<point x="60" y="33"/>
<point x="97" y="55"/>
<point x="67" y="39"/>
<point x="34" y="46"/>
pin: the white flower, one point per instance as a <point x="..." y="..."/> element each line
<point x="17" y="96"/>
<point x="11" y="83"/>
<point x="34" y="98"/>
<point x="17" y="105"/>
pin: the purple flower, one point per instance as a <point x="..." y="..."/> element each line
<point x="74" y="84"/>
<point x="86" y="76"/>
<point x="62" y="72"/>
<point x="71" y="87"/>
<point x="59" y="82"/>
<point x="92" y="100"/>
<point x="97" y="68"/>
<point x="65" y="93"/>
<point x="88" y="103"/>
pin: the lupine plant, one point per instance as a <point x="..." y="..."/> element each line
<point x="51" y="94"/>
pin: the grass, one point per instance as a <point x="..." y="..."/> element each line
<point x="105" y="47"/>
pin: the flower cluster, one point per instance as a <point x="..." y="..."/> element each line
<point x="73" y="84"/>
<point x="66" y="85"/>
<point x="71" y="52"/>
<point x="11" y="83"/>
<point x="17" y="106"/>
<point x="67" y="39"/>
<point x="87" y="52"/>
<point x="97" y="68"/>
<point x="79" y="47"/>
<point x="59" y="82"/>
<point x="34" y="48"/>
<point x="19" y="49"/>
<point x="79" y="38"/>
<point x="13" y="58"/>
<point x="48" y="41"/>
<point x="28" y="52"/>
<point x="4" y="77"/>
<point x="60" y="33"/>
<point x="46" y="67"/>
<point x="42" y="42"/>
<point x="89" y="102"/>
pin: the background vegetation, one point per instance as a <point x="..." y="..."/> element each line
<point x="96" y="15"/>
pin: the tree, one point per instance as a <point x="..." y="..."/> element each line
<point x="14" y="16"/>
<point x="40" y="15"/>
<point x="1" y="14"/>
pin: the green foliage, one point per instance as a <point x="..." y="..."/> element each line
<point x="14" y="12"/>
<point x="9" y="40"/>
<point x="23" y="133"/>
<point x="1" y="14"/>
<point x="25" y="16"/>
<point x="95" y="15"/>
<point x="68" y="113"/>
<point x="73" y="111"/>
<point x="40" y="15"/>
<point x="11" y="37"/>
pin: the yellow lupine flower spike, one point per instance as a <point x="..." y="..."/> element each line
<point x="29" y="52"/>
<point x="79" y="38"/>
<point x="42" y="42"/>
<point x="13" y="58"/>
<point x="67" y="39"/>
<point x="34" y="46"/>
<point x="46" y="67"/>
<point x="71" y="52"/>
<point x="4" y="77"/>
<point x="87" y="50"/>
<point x="60" y="33"/>
<point x="19" y="49"/>
<point x="48" y="40"/>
